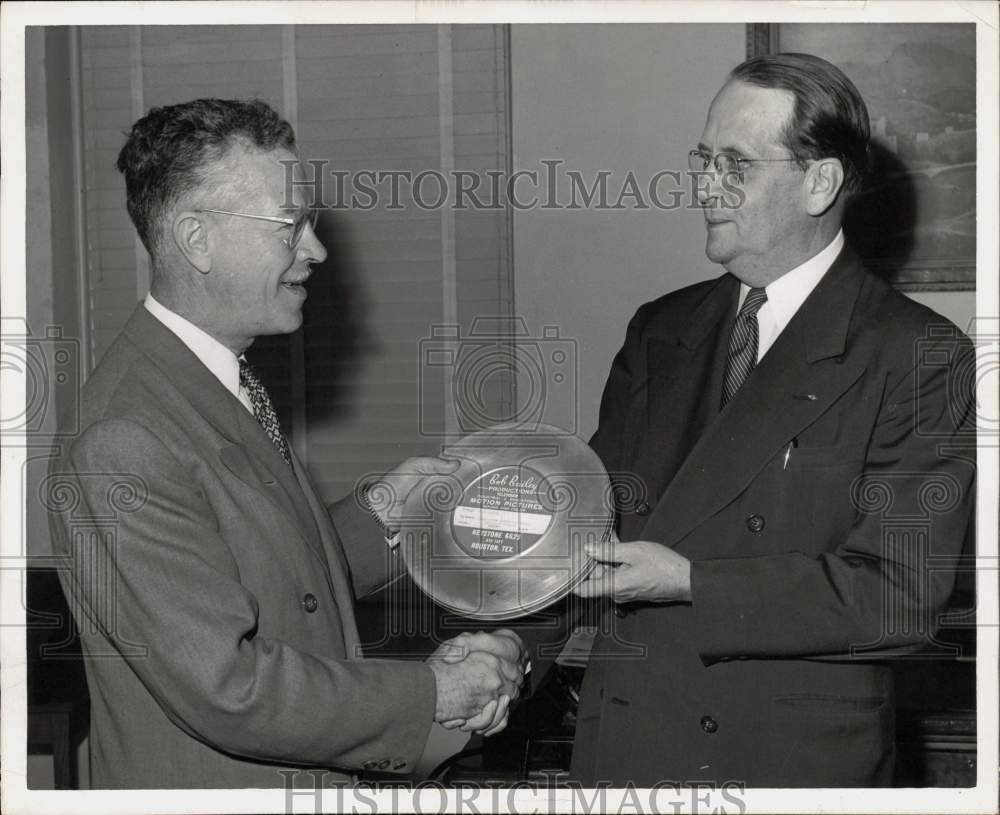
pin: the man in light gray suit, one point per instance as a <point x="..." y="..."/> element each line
<point x="217" y="617"/>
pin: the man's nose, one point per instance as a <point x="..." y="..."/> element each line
<point x="311" y="246"/>
<point x="706" y="185"/>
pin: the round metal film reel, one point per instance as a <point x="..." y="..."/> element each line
<point x="503" y="537"/>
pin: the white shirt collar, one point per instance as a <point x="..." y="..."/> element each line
<point x="787" y="294"/>
<point x="213" y="354"/>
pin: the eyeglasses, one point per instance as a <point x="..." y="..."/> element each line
<point x="306" y="217"/>
<point x="726" y="164"/>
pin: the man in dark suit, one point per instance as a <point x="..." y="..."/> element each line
<point x="788" y="421"/>
<point x="214" y="594"/>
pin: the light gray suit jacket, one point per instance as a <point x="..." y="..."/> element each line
<point x="213" y="591"/>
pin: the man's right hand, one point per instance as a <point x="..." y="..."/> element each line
<point x="469" y="680"/>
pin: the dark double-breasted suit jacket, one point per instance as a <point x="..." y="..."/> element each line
<point x="214" y="594"/>
<point x="813" y="507"/>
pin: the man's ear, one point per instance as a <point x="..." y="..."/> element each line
<point x="824" y="181"/>
<point x="191" y="239"/>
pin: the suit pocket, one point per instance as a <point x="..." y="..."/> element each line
<point x="833" y="741"/>
<point x="830" y="704"/>
<point x="828" y="456"/>
<point x="820" y="486"/>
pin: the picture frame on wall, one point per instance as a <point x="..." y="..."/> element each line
<point x="915" y="220"/>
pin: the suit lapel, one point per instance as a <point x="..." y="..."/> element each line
<point x="250" y="455"/>
<point x="280" y="481"/>
<point x="680" y="371"/>
<point x="339" y="570"/>
<point x="804" y="372"/>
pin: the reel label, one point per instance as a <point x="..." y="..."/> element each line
<point x="500" y="514"/>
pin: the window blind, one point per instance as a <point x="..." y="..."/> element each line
<point x="352" y="388"/>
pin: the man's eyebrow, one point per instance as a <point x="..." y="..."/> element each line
<point x="727" y="149"/>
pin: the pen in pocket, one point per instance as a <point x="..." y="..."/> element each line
<point x="788" y="452"/>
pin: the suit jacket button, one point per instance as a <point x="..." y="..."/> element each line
<point x="642" y="509"/>
<point x="383" y="763"/>
<point x="398" y="765"/>
<point x="854" y="562"/>
<point x="310" y="603"/>
<point x="755" y="523"/>
<point x="708" y="724"/>
<point x="620" y="611"/>
<point x="371" y="764"/>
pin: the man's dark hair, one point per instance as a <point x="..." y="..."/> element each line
<point x="170" y="148"/>
<point x="829" y="120"/>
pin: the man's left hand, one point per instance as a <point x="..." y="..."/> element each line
<point x="388" y="494"/>
<point x="637" y="571"/>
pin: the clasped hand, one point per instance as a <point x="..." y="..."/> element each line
<point x="478" y="676"/>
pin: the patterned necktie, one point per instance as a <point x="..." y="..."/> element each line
<point x="263" y="410"/>
<point x="743" y="344"/>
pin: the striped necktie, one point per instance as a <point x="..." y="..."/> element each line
<point x="263" y="409"/>
<point x="743" y="344"/>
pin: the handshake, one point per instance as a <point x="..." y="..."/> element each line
<point x="478" y="676"/>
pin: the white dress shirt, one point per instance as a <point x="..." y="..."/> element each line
<point x="213" y="354"/>
<point x="786" y="294"/>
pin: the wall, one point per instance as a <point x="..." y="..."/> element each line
<point x="52" y="303"/>
<point x="370" y="98"/>
<point x="53" y="293"/>
<point x="957" y="306"/>
<point x="617" y="98"/>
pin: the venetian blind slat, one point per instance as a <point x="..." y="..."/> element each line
<point x="367" y="99"/>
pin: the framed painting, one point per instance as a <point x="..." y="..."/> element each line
<point x="915" y="221"/>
